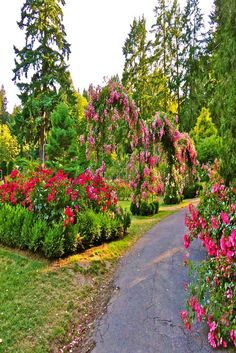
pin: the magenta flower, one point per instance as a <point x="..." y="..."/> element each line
<point x="225" y="218"/>
<point x="214" y="222"/>
<point x="186" y="241"/>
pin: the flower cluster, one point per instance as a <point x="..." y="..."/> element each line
<point x="56" y="196"/>
<point x="212" y="296"/>
<point x="112" y="114"/>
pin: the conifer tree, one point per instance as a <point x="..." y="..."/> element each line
<point x="62" y="141"/>
<point x="224" y="67"/>
<point x="192" y="62"/>
<point x="3" y="106"/>
<point x="166" y="46"/>
<point x="40" y="68"/>
<point x="135" y="71"/>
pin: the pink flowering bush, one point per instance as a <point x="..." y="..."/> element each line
<point x="112" y="115"/>
<point x="55" y="200"/>
<point x="212" y="294"/>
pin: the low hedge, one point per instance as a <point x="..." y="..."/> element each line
<point x="145" y="208"/>
<point x="191" y="190"/>
<point x="22" y="229"/>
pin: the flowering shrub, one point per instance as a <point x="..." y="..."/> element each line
<point x="112" y="114"/>
<point x="58" y="200"/>
<point x="122" y="188"/>
<point x="212" y="296"/>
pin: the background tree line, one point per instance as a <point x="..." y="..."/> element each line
<point x="176" y="66"/>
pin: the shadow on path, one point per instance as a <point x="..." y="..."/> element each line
<point x="143" y="314"/>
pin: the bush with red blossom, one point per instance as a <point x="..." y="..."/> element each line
<point x="212" y="294"/>
<point x="56" y="199"/>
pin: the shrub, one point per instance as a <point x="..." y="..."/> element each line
<point x="145" y="208"/>
<point x="212" y="293"/>
<point x="57" y="215"/>
<point x="123" y="189"/>
<point x="192" y="190"/>
<point x="94" y="228"/>
<point x="53" y="245"/>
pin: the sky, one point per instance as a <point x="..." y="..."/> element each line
<point x="95" y="29"/>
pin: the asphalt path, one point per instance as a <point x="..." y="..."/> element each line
<point x="143" y="313"/>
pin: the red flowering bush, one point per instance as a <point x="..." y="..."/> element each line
<point x="56" y="199"/>
<point x="212" y="295"/>
<point x="122" y="188"/>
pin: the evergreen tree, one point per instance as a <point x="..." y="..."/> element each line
<point x="8" y="145"/>
<point x="62" y="142"/>
<point x="192" y="58"/>
<point x="40" y="68"/>
<point x="3" y="106"/>
<point x="175" y="33"/>
<point x="206" y="138"/>
<point x="136" y="68"/>
<point x="224" y="66"/>
<point x="166" y="46"/>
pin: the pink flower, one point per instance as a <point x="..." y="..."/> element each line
<point x="225" y="218"/>
<point x="186" y="241"/>
<point x="214" y="222"/>
<point x="211" y="339"/>
<point x="81" y="139"/>
<point x="229" y="293"/>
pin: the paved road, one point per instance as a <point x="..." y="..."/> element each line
<point x="143" y="314"/>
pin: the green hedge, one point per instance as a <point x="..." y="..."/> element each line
<point x="22" y="229"/>
<point x="145" y="208"/>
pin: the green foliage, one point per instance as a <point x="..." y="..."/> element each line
<point x="192" y="61"/>
<point x="145" y="208"/>
<point x="204" y="126"/>
<point x="61" y="148"/>
<point x="8" y="145"/>
<point x="40" y="68"/>
<point x="22" y="229"/>
<point x="224" y="66"/>
<point x="173" y="190"/>
<point x="208" y="149"/>
<point x="4" y="116"/>
<point x="207" y="140"/>
<point x="191" y="190"/>
<point x="94" y="228"/>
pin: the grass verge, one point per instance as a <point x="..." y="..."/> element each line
<point x="45" y="306"/>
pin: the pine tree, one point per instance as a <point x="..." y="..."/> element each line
<point x="136" y="69"/>
<point x="166" y="46"/>
<point x="40" y="68"/>
<point x="62" y="141"/>
<point x="161" y="44"/>
<point x="224" y="67"/>
<point x="192" y="58"/>
<point x="175" y="33"/>
<point x="3" y="106"/>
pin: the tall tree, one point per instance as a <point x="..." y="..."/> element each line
<point x="192" y="44"/>
<point x="166" y="46"/>
<point x="3" y="106"/>
<point x="224" y="67"/>
<point x="147" y="84"/>
<point x="40" y="68"/>
<point x="62" y="146"/>
<point x="135" y="71"/>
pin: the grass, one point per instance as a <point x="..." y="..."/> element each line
<point x="40" y="301"/>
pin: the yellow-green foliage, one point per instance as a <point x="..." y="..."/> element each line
<point x="204" y="126"/>
<point x="8" y="145"/>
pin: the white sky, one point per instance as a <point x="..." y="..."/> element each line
<point x="96" y="30"/>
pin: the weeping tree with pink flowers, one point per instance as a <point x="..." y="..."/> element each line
<point x="114" y="126"/>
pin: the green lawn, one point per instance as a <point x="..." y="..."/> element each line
<point x="40" y="300"/>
